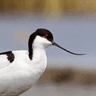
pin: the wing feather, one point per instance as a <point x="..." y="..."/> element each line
<point x="6" y="58"/>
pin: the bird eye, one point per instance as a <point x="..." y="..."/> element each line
<point x="45" y="35"/>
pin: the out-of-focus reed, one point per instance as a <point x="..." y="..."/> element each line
<point x="45" y="6"/>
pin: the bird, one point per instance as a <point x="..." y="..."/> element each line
<point x="21" y="69"/>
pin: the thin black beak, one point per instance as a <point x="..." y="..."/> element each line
<point x="55" y="44"/>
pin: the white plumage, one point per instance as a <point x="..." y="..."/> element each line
<point x="21" y="69"/>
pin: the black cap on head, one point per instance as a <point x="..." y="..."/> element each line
<point x="45" y="33"/>
<point x="41" y="32"/>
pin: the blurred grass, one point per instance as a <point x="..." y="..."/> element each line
<point x="69" y="76"/>
<point x="45" y="6"/>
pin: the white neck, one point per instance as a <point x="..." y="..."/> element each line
<point x="39" y="59"/>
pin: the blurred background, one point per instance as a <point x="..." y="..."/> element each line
<point x="73" y="24"/>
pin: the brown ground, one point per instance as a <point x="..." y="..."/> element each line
<point x="68" y="76"/>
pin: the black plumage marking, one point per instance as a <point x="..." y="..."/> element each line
<point x="10" y="55"/>
<point x="31" y="39"/>
<point x="40" y="32"/>
<point x="45" y="33"/>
